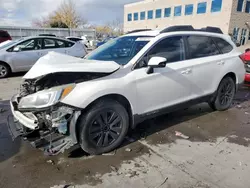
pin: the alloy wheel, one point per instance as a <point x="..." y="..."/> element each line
<point x="226" y="93"/>
<point x="106" y="128"/>
<point x="3" y="71"/>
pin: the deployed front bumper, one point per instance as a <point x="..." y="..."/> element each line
<point x="26" y="125"/>
<point x="30" y="122"/>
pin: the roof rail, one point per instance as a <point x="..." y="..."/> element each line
<point x="178" y="28"/>
<point x="211" y="29"/>
<point x="138" y="30"/>
<point x="190" y="28"/>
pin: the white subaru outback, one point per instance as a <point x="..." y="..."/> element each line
<point x="93" y="102"/>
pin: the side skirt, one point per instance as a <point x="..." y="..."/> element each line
<point x="138" y="118"/>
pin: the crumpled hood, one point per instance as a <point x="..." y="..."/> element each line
<point x="55" y="62"/>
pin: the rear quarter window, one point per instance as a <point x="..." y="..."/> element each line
<point x="69" y="44"/>
<point x="201" y="46"/>
<point x="223" y="45"/>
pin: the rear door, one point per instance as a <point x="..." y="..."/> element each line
<point x="49" y="44"/>
<point x="207" y="63"/>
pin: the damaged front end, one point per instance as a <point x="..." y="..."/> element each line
<point x="52" y="131"/>
<point x="39" y="116"/>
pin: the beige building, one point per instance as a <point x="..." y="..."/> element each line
<point x="232" y="16"/>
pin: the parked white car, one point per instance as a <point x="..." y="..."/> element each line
<point x="20" y="55"/>
<point x="82" y="40"/>
<point x="94" y="101"/>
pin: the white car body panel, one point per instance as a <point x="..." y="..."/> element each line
<point x="165" y="87"/>
<point x="56" y="62"/>
<point x="176" y="83"/>
<point x="121" y="82"/>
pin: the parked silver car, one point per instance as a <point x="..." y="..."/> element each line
<point x="20" y="55"/>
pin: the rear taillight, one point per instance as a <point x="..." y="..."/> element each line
<point x="243" y="58"/>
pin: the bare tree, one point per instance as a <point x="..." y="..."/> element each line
<point x="42" y="22"/>
<point x="66" y="16"/>
<point x="116" y="26"/>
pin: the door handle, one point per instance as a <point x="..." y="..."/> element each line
<point x="187" y="71"/>
<point x="221" y="63"/>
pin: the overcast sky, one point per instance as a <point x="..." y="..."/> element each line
<point x="22" y="12"/>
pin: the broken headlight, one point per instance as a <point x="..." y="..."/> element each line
<point x="45" y="98"/>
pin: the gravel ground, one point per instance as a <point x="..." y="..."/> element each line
<point x="214" y="153"/>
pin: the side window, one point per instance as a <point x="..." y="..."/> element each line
<point x="61" y="44"/>
<point x="224" y="46"/>
<point x="69" y="44"/>
<point x="28" y="45"/>
<point x="201" y="46"/>
<point x="49" y="43"/>
<point x="171" y="48"/>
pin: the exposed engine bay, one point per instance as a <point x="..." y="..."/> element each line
<point x="31" y="86"/>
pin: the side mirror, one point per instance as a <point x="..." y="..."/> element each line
<point x="237" y="44"/>
<point x="156" y="62"/>
<point x="17" y="49"/>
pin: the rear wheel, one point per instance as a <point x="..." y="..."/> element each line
<point x="4" y="70"/>
<point x="224" y="95"/>
<point x="103" y="127"/>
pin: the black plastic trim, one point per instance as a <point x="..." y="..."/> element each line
<point x="190" y="28"/>
<point x="138" y="118"/>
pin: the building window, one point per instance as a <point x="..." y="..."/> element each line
<point x="177" y="11"/>
<point x="158" y="13"/>
<point x="235" y="34"/>
<point x="248" y="7"/>
<point x="216" y="5"/>
<point x="167" y="12"/>
<point x="150" y="14"/>
<point x="202" y="7"/>
<point x="136" y="16"/>
<point x="142" y="15"/>
<point x="240" y="5"/>
<point x="129" y="17"/>
<point x="189" y="9"/>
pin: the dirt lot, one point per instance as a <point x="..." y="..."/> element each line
<point x="216" y="154"/>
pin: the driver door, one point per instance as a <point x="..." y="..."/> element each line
<point x="166" y="86"/>
<point x="27" y="55"/>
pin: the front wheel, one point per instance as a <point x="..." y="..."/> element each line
<point x="103" y="127"/>
<point x="224" y="95"/>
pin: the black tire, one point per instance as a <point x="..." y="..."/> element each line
<point x="97" y="136"/>
<point x="4" y="70"/>
<point x="224" y="95"/>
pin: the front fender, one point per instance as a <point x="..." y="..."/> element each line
<point x="87" y="92"/>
